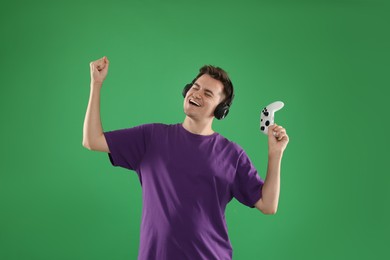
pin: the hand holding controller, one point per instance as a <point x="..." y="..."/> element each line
<point x="267" y="115"/>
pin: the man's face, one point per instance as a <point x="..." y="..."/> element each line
<point x="203" y="97"/>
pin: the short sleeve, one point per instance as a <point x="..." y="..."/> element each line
<point x="247" y="185"/>
<point x="128" y="146"/>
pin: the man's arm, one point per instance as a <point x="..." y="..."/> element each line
<point x="93" y="137"/>
<point x="268" y="203"/>
<point x="277" y="142"/>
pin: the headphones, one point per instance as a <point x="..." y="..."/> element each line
<point x="222" y="110"/>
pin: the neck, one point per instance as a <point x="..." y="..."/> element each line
<point x="198" y="127"/>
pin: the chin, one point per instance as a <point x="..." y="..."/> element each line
<point x="191" y="115"/>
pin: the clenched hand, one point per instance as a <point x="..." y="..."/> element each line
<point x="99" y="69"/>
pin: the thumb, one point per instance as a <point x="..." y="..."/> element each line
<point x="106" y="60"/>
<point x="104" y="64"/>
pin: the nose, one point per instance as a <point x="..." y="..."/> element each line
<point x="195" y="94"/>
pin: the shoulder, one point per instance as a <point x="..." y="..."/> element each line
<point x="229" y="145"/>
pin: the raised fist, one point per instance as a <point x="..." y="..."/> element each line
<point x="99" y="69"/>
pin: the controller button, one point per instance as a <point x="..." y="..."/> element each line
<point x="262" y="128"/>
<point x="267" y="123"/>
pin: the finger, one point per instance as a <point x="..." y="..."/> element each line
<point x="284" y="137"/>
<point x="277" y="129"/>
<point x="277" y="134"/>
<point x="94" y="64"/>
<point x="281" y="137"/>
<point x="106" y="62"/>
<point x="280" y="131"/>
<point x="270" y="130"/>
<point x="94" y="68"/>
<point x="272" y="127"/>
<point x="272" y="134"/>
<point x="101" y="63"/>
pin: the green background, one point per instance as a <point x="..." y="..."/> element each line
<point x="327" y="60"/>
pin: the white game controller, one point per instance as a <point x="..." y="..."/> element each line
<point x="267" y="115"/>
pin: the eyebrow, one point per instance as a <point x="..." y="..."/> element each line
<point x="207" y="90"/>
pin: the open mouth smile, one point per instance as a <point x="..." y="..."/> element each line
<point x="194" y="103"/>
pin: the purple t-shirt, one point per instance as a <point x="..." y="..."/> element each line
<point x="187" y="180"/>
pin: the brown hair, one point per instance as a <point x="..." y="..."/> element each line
<point x="221" y="75"/>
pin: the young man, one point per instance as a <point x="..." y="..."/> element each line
<point x="188" y="172"/>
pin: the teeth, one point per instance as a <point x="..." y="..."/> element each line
<point x="192" y="101"/>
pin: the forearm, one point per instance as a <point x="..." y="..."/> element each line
<point x="271" y="187"/>
<point x="92" y="123"/>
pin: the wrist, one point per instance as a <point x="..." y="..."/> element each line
<point x="275" y="155"/>
<point x="96" y="84"/>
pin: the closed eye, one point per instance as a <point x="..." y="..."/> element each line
<point x="208" y="92"/>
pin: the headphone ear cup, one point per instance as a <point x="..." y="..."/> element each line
<point x="221" y="111"/>
<point x="186" y="88"/>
